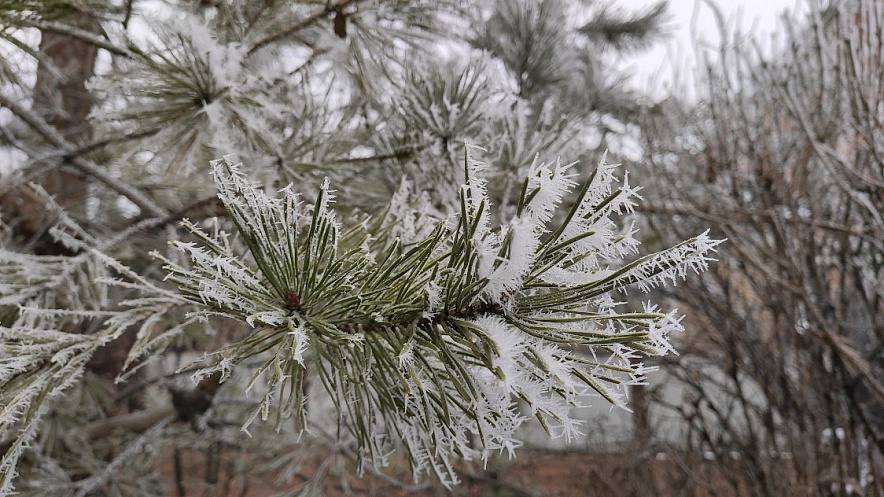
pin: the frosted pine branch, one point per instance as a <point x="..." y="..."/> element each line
<point x="62" y="316"/>
<point x="427" y="341"/>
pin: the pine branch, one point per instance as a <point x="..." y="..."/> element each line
<point x="625" y="31"/>
<point x="57" y="328"/>
<point x="425" y="332"/>
<point x="84" y="165"/>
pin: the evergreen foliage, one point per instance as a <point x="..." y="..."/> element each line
<point x="438" y="301"/>
<point x="430" y="340"/>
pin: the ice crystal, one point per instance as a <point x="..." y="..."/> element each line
<point x="428" y="335"/>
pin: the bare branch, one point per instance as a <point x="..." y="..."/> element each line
<point x="74" y="32"/>
<point x="86" y="166"/>
<point x="306" y="22"/>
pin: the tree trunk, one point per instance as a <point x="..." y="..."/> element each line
<point x="61" y="99"/>
<point x="65" y="103"/>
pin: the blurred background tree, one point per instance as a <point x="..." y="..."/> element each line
<point x="782" y="372"/>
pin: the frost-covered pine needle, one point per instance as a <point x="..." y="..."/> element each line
<point x="428" y="335"/>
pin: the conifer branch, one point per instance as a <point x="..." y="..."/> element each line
<point x="86" y="166"/>
<point x="426" y="337"/>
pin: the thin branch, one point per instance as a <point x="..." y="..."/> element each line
<point x="179" y="472"/>
<point x="398" y="154"/>
<point x="306" y="22"/>
<point x="135" y="422"/>
<point x="54" y="138"/>
<point x="401" y="153"/>
<point x="128" y="16"/>
<point x="42" y="163"/>
<point x="735" y="216"/>
<point x="335" y="445"/>
<point x="89" y="147"/>
<point x="74" y="32"/>
<point x="87" y="486"/>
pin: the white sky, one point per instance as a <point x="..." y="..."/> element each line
<point x="691" y="20"/>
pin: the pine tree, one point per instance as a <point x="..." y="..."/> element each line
<point x="285" y="194"/>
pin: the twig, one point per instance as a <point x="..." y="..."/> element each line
<point x="89" y="147"/>
<point x="179" y="472"/>
<point x="309" y="20"/>
<point x="54" y="138"/>
<point x="128" y="16"/>
<point x="336" y="446"/>
<point x="734" y="216"/>
<point x="401" y="153"/>
<point x="87" y="486"/>
<point x="135" y="421"/>
<point x="74" y="32"/>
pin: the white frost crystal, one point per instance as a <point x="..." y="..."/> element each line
<point x="429" y="332"/>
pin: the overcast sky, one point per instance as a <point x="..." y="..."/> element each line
<point x="692" y="19"/>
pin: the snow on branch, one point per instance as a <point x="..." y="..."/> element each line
<point x="428" y="341"/>
<point x="57" y="313"/>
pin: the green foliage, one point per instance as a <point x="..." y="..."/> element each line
<point x="423" y="339"/>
